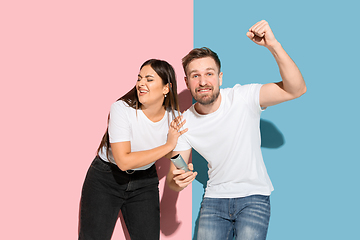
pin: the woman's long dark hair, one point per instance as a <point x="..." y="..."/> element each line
<point x="167" y="74"/>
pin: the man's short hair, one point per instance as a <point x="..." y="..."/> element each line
<point x="197" y="53"/>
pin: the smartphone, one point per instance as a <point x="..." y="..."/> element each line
<point x="179" y="162"/>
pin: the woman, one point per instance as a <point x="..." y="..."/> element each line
<point x="142" y="128"/>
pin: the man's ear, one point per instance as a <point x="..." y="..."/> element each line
<point x="186" y="81"/>
<point x="220" y="78"/>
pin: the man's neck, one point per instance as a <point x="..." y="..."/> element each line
<point x="209" y="108"/>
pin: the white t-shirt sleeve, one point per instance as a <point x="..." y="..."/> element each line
<point x="251" y="94"/>
<point x="119" y="126"/>
<point x="182" y="144"/>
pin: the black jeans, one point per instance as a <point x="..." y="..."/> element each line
<point x="107" y="190"/>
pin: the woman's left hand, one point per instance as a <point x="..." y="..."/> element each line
<point x="175" y="131"/>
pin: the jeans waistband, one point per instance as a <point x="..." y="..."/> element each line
<point x="133" y="173"/>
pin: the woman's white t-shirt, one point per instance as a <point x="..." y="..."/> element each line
<point x="129" y="124"/>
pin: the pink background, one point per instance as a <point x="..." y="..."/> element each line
<point x="62" y="64"/>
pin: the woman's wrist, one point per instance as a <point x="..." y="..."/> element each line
<point x="169" y="146"/>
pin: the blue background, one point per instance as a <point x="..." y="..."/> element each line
<point x="310" y="144"/>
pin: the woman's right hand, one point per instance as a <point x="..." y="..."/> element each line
<point x="175" y="131"/>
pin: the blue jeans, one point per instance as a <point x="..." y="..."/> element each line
<point x="108" y="190"/>
<point x="245" y="218"/>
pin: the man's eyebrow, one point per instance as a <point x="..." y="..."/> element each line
<point x="210" y="68"/>
<point x="192" y="72"/>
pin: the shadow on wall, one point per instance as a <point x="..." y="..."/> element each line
<point x="271" y="137"/>
<point x="168" y="217"/>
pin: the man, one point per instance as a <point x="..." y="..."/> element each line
<point x="223" y="126"/>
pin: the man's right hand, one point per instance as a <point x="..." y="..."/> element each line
<point x="182" y="179"/>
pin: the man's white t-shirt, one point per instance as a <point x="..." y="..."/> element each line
<point x="229" y="139"/>
<point x="129" y="124"/>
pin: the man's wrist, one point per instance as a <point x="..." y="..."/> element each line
<point x="273" y="47"/>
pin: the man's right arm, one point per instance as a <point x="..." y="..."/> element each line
<point x="178" y="179"/>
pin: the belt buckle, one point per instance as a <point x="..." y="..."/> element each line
<point x="130" y="171"/>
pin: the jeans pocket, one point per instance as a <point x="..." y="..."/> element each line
<point x="101" y="165"/>
<point x="152" y="172"/>
<point x="210" y="203"/>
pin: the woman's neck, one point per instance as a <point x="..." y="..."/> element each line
<point x="155" y="112"/>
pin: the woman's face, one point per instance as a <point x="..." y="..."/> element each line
<point x="150" y="88"/>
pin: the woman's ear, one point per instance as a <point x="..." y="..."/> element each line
<point x="166" y="88"/>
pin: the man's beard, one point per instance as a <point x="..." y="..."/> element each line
<point x="206" y="100"/>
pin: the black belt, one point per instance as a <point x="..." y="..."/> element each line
<point x="137" y="173"/>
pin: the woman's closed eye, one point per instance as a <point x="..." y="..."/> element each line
<point x="148" y="79"/>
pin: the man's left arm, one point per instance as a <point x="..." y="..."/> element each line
<point x="292" y="85"/>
